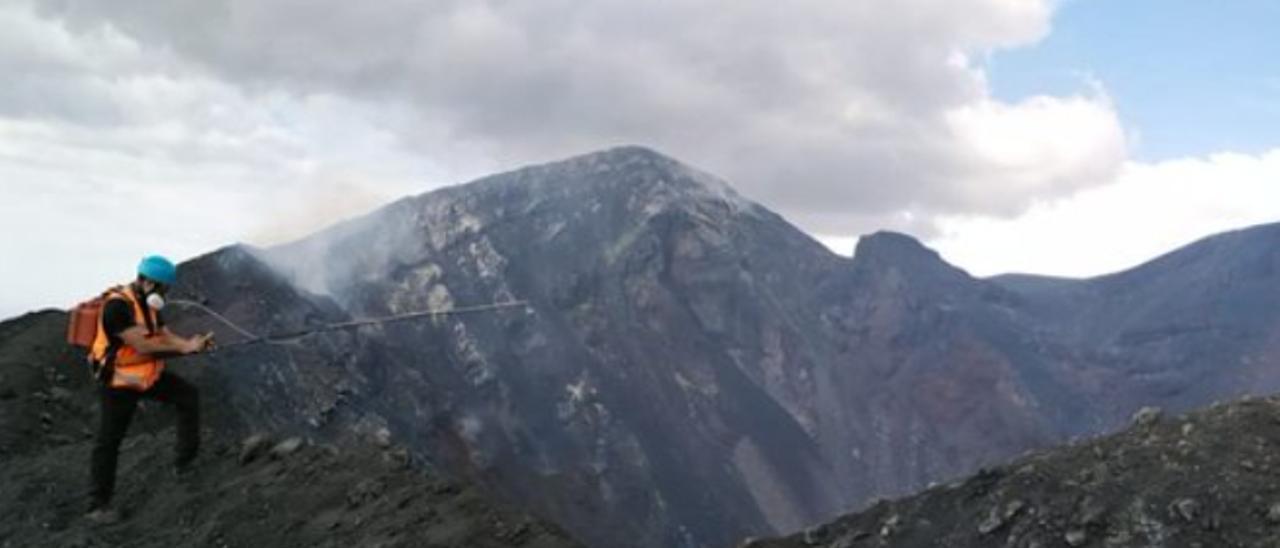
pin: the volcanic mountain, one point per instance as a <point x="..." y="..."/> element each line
<point x="687" y="368"/>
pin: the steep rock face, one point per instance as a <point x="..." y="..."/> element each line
<point x="329" y="385"/>
<point x="666" y="338"/>
<point x="930" y="375"/>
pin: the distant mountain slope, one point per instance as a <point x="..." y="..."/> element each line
<point x="1195" y="325"/>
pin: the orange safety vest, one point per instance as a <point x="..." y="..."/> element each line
<point x="129" y="369"/>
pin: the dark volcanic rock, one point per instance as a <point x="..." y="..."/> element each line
<point x="286" y="448"/>
<point x="1203" y="479"/>
<point x="252" y="448"/>
<point x="300" y="501"/>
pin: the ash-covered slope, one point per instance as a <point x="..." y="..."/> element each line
<point x="1203" y="479"/>
<point x="320" y="492"/>
<point x="695" y="369"/>
<point x="651" y="398"/>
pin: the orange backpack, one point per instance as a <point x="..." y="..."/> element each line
<point x="82" y="326"/>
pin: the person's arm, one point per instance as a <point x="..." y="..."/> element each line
<point x="166" y="343"/>
<point x="169" y="336"/>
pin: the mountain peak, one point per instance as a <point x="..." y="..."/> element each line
<point x="632" y="153"/>
<point x="666" y="178"/>
<point x="620" y="158"/>
<point x="893" y="252"/>
<point x="894" y="248"/>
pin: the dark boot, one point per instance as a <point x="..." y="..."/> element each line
<point x="103" y="515"/>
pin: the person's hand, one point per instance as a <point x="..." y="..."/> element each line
<point x="198" y="343"/>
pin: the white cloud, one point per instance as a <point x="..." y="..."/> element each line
<point x="1148" y="210"/>
<point x="1039" y="147"/>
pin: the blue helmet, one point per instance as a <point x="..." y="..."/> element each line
<point x="158" y="269"/>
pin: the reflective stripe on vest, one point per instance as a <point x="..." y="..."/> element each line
<point x="132" y="370"/>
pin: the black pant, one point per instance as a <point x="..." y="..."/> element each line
<point x="118" y="406"/>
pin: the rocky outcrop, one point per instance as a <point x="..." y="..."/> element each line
<point x="1201" y="479"/>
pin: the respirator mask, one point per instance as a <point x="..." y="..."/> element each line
<point x="155" y="299"/>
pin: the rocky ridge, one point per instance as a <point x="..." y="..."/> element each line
<point x="1204" y="479"/>
<point x="283" y="490"/>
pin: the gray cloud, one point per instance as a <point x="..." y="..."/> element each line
<point x="94" y="120"/>
<point x="845" y="116"/>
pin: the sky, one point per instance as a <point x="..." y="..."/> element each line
<point x="1067" y="137"/>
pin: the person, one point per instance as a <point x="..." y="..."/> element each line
<point x="128" y="356"/>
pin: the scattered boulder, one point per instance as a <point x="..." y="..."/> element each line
<point x="1273" y="514"/>
<point x="850" y="539"/>
<point x="286" y="448"/>
<point x="382" y="438"/>
<point x="1147" y="416"/>
<point x="816" y="535"/>
<point x="997" y="517"/>
<point x="60" y="395"/>
<point x="365" y="491"/>
<point x="399" y="457"/>
<point x="1091" y="512"/>
<point x="252" y="447"/>
<point x="1187" y="509"/>
<point x="890" y="526"/>
<point x="1076" y="537"/>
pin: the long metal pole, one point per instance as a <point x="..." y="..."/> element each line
<point x="282" y="337"/>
